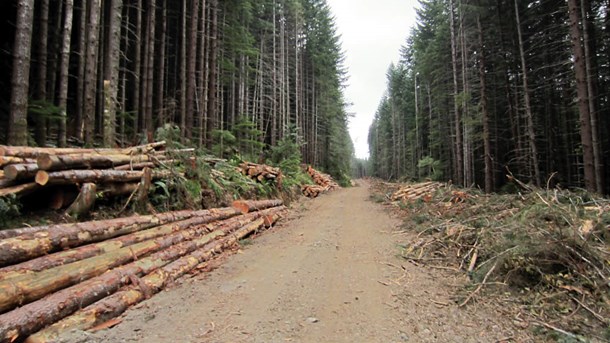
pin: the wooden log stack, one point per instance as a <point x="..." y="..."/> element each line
<point x="109" y="172"/>
<point x="76" y="276"/>
<point x="423" y="190"/>
<point x="323" y="181"/>
<point x="262" y="172"/>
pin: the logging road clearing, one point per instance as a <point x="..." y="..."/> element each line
<point x="330" y="272"/>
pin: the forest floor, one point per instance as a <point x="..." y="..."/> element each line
<point x="330" y="272"/>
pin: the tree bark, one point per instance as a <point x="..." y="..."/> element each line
<point x="18" y="125"/>
<point x="41" y="79"/>
<point x="459" y="160"/>
<point x="20" y="171"/>
<point x="111" y="71"/>
<point x="150" y="284"/>
<point x="31" y="287"/>
<point x="528" y="107"/>
<point x="64" y="73"/>
<point x="64" y="162"/>
<point x="489" y="179"/>
<point x="100" y="175"/>
<point x="39" y="241"/>
<point x="32" y="317"/>
<point x="84" y="201"/>
<point x="212" y="105"/>
<point x="580" y="72"/>
<point x="90" y="86"/>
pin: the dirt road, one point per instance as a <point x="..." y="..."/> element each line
<point x="329" y="273"/>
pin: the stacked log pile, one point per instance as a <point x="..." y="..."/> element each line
<point x="75" y="276"/>
<point x="324" y="183"/>
<point x="262" y="172"/>
<point x="109" y="172"/>
<point x="423" y="190"/>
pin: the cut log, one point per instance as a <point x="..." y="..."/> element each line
<point x="64" y="162"/>
<point x="20" y="171"/>
<point x="48" y="239"/>
<point x="6" y="160"/>
<point x="322" y="179"/>
<point x="82" y="176"/>
<point x="4" y="182"/>
<point x="117" y="189"/>
<point x="312" y="191"/>
<point x="19" y="323"/>
<point x="34" y="152"/>
<point x="62" y="197"/>
<point x="246" y="206"/>
<point x="97" y="227"/>
<point x="22" y="289"/>
<point x="95" y="249"/>
<point x="84" y="201"/>
<point x="19" y="190"/>
<point x="115" y="304"/>
<point x="142" y="165"/>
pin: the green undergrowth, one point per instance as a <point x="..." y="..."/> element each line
<point x="545" y="252"/>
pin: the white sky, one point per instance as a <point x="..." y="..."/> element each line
<point x="372" y="32"/>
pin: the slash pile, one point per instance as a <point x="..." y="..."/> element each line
<point x="77" y="175"/>
<point x="57" y="278"/>
<point x="324" y="182"/>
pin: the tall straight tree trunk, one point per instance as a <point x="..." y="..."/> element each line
<point x="191" y="72"/>
<point x="160" y="96"/>
<point x="82" y="63"/>
<point x="137" y="68"/>
<point x="18" y="124"/>
<point x="111" y="73"/>
<point x="91" y="70"/>
<point x="589" y="50"/>
<point x="580" y="71"/>
<point x="459" y="156"/>
<point x="63" y="72"/>
<point x="150" y="72"/>
<point x="212" y="105"/>
<point x="183" y="61"/>
<point x="489" y="183"/>
<point x="528" y="107"/>
<point x="41" y="79"/>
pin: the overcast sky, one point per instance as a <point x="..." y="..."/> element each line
<point x="372" y="32"/>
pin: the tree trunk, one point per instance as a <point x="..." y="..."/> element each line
<point x="489" y="182"/>
<point x="213" y="48"/>
<point x="150" y="124"/>
<point x="80" y="79"/>
<point x="590" y="57"/>
<point x="64" y="73"/>
<point x="90" y="86"/>
<point x="459" y="160"/>
<point x="528" y="107"/>
<point x="580" y="71"/>
<point x="137" y="69"/>
<point x="18" y="125"/>
<point x="111" y="71"/>
<point x="160" y="96"/>
<point x="41" y="78"/>
<point x="191" y="73"/>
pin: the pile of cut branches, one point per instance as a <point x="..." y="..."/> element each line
<point x="548" y="248"/>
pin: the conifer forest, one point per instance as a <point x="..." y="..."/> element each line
<point x="234" y="76"/>
<point x="486" y="89"/>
